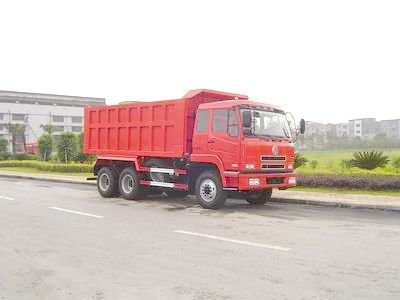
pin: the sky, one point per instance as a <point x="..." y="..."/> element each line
<point x="325" y="61"/>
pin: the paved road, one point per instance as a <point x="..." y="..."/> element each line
<point x="62" y="241"/>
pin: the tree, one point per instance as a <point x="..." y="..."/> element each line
<point x="3" y="144"/>
<point x="66" y="147"/>
<point x="17" y="132"/>
<point x="45" y="145"/>
<point x="47" y="128"/>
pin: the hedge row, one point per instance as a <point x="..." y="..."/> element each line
<point x="347" y="181"/>
<point x="43" y="166"/>
<point x="17" y="156"/>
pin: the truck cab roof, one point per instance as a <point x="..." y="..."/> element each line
<point x="234" y="103"/>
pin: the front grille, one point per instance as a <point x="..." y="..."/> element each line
<point x="273" y="158"/>
<point x="272" y="166"/>
<point x="275" y="180"/>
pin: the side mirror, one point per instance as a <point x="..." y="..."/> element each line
<point x="246" y="119"/>
<point x="302" y="126"/>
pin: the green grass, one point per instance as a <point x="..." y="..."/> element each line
<point x="392" y="193"/>
<point x="329" y="162"/>
<point x="35" y="171"/>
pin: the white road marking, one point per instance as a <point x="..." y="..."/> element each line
<point x="77" y="212"/>
<point x="6" y="198"/>
<point x="233" y="240"/>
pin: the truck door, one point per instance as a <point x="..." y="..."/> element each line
<point x="200" y="134"/>
<point x="223" y="138"/>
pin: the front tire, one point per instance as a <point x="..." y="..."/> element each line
<point x="129" y="186"/>
<point x="209" y="190"/>
<point x="259" y="197"/>
<point x="107" y="182"/>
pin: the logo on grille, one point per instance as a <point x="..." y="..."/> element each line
<point x="275" y="150"/>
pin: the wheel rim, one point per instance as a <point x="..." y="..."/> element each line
<point x="208" y="190"/>
<point x="104" y="182"/>
<point x="127" y="184"/>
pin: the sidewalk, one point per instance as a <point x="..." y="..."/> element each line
<point x="292" y="197"/>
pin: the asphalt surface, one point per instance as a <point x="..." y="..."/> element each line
<point x="63" y="241"/>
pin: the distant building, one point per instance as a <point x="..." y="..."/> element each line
<point x="64" y="113"/>
<point x="391" y="128"/>
<point x="342" y="129"/>
<point x="363" y="128"/>
<point x="325" y="130"/>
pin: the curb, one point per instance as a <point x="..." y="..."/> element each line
<point x="47" y="179"/>
<point x="336" y="204"/>
<point x="276" y="200"/>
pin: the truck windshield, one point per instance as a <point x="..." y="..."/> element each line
<point x="267" y="123"/>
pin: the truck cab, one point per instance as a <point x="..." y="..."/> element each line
<point x="250" y="142"/>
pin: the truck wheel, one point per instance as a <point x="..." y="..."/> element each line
<point x="259" y="197"/>
<point x="129" y="186"/>
<point x="107" y="183"/>
<point x="209" y="190"/>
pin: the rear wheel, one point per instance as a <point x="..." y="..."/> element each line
<point x="259" y="197"/>
<point x="129" y="186"/>
<point x="209" y="190"/>
<point x="107" y="182"/>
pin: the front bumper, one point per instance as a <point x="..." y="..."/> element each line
<point x="248" y="181"/>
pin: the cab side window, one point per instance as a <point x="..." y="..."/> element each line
<point x="233" y="126"/>
<point x="225" y="120"/>
<point x="202" y="121"/>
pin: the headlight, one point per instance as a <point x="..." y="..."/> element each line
<point x="250" y="166"/>
<point x="292" y="180"/>
<point x="290" y="166"/>
<point x="254" y="181"/>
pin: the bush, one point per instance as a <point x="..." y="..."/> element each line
<point x="4" y="156"/>
<point x="313" y="164"/>
<point x="369" y="160"/>
<point x="23" y="156"/>
<point x="396" y="163"/>
<point x="299" y="160"/>
<point x="345" y="164"/>
<point x="44" y="166"/>
<point x="339" y="181"/>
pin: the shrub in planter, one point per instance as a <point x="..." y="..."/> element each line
<point x="396" y="163"/>
<point x="347" y="181"/>
<point x="313" y="164"/>
<point x="299" y="160"/>
<point x="369" y="160"/>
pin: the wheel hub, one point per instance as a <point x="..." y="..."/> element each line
<point x="208" y="190"/>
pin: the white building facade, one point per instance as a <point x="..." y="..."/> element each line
<point x="64" y="113"/>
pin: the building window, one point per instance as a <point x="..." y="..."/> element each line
<point x="1" y="116"/>
<point x="58" y="128"/>
<point x="358" y="125"/>
<point x="2" y="127"/>
<point x="358" y="132"/>
<point x="202" y="121"/>
<point x="18" y="117"/>
<point x="58" y="118"/>
<point x="76" y="128"/>
<point x="76" y="119"/>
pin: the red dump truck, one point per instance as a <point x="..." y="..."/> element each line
<point x="208" y="143"/>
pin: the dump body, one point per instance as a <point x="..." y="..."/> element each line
<point x="152" y="129"/>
